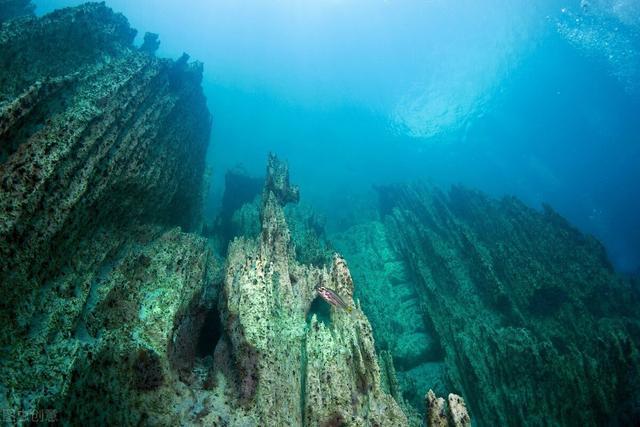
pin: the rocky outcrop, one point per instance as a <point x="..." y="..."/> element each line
<point x="101" y="157"/>
<point x="136" y="341"/>
<point x="290" y="372"/>
<point x="441" y="414"/>
<point x="527" y="310"/>
<point x="150" y="44"/>
<point x="239" y="215"/>
<point x="112" y="314"/>
<point x="239" y="210"/>
<point x="308" y="235"/>
<point x="94" y="136"/>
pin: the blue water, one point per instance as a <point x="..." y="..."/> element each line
<point x="537" y="99"/>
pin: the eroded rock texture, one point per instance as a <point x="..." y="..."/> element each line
<point x="101" y="156"/>
<point x="93" y="135"/>
<point x="532" y="324"/>
<point x="391" y="302"/>
<point x="291" y="372"/>
<point x="445" y="414"/>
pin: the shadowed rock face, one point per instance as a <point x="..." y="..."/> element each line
<point x="534" y="324"/>
<point x="101" y="156"/>
<point x="93" y="135"/>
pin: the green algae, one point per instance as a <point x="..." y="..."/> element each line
<point x="506" y="295"/>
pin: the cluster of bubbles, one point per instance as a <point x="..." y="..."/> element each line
<point x="609" y="32"/>
<point x="461" y="84"/>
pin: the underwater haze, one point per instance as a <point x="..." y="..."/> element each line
<point x="536" y="99"/>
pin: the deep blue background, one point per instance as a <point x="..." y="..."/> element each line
<point x="537" y="99"/>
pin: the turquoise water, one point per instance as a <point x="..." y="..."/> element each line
<point x="541" y="101"/>
<point x="154" y="272"/>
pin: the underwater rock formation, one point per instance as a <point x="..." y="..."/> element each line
<point x="150" y="44"/>
<point x="392" y="305"/>
<point x="525" y="310"/>
<point x="98" y="136"/>
<point x="239" y="215"/>
<point x="308" y="235"/>
<point x="136" y="342"/>
<point x="441" y="414"/>
<point x="291" y="372"/>
<point x="239" y="211"/>
<point x="101" y="154"/>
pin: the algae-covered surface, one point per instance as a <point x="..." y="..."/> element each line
<point x="127" y="299"/>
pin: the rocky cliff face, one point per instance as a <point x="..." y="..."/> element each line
<point x="110" y="314"/>
<point x="101" y="153"/>
<point x="511" y="307"/>
<point x="93" y="135"/>
<point x="115" y="311"/>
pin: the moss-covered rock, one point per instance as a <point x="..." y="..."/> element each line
<point x="288" y="371"/>
<point x="94" y="135"/>
<point x="101" y="154"/>
<point x="527" y="309"/>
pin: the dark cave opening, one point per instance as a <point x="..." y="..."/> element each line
<point x="210" y="333"/>
<point x="321" y="309"/>
<point x="194" y="340"/>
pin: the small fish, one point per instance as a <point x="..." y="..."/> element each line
<point x="330" y="296"/>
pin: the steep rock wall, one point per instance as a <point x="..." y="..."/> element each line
<point x="391" y="303"/>
<point x="101" y="154"/>
<point x="111" y="314"/>
<point x="93" y="134"/>
<point x="528" y="310"/>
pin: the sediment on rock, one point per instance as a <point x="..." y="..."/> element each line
<point x="266" y="296"/>
<point x="101" y="157"/>
<point x="527" y="310"/>
<point x="100" y="136"/>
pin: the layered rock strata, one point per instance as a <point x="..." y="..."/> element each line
<point x="525" y="309"/>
